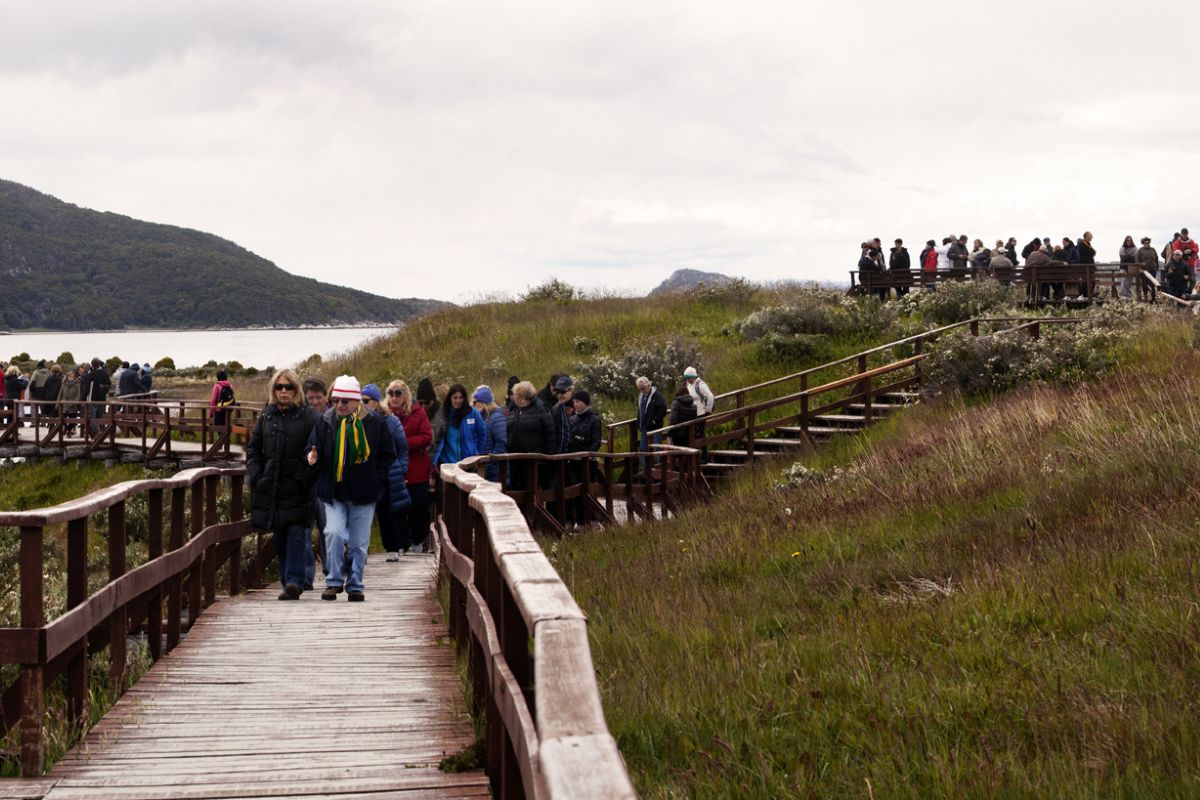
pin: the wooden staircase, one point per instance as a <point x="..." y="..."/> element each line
<point x="798" y="412"/>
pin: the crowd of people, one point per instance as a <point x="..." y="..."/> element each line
<point x="71" y="386"/>
<point x="1173" y="265"/>
<point x="339" y="457"/>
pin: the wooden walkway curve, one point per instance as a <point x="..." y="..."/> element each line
<point x="309" y="700"/>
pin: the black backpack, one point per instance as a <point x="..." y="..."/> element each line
<point x="225" y="398"/>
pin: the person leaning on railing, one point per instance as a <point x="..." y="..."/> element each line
<point x="281" y="482"/>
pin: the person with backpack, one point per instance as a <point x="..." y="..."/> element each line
<point x="683" y="409"/>
<point x="222" y="398"/>
<point x="704" y="400"/>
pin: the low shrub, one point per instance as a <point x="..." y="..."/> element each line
<point x="661" y="360"/>
<point x="553" y="289"/>
<point x="957" y="301"/>
<point x="737" y="291"/>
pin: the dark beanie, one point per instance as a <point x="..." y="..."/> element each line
<point x="425" y="390"/>
<point x="513" y="380"/>
<point x="583" y="397"/>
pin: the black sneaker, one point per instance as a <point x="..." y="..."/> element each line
<point x="356" y="597"/>
<point x="290" y="592"/>
<point x="330" y="593"/>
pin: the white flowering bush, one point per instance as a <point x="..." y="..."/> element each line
<point x="955" y="301"/>
<point x="1068" y="353"/>
<point x="801" y="328"/>
<point x="661" y="360"/>
<point x="800" y="475"/>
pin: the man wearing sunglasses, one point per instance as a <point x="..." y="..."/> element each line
<point x="351" y="450"/>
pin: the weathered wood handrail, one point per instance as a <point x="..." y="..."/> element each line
<point x="185" y="571"/>
<point x="545" y="732"/>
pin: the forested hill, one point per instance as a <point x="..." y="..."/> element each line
<point x="63" y="267"/>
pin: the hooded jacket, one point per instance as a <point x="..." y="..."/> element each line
<point x="419" y="435"/>
<point x="585" y="432"/>
<point x="472" y="435"/>
<point x="397" y="495"/>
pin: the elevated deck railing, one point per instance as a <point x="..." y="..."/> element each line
<point x="1096" y="279"/>
<point x="526" y="646"/>
<point x="149" y="426"/>
<point x="184" y="573"/>
<point x="794" y="400"/>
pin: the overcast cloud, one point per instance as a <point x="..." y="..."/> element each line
<point x="450" y="150"/>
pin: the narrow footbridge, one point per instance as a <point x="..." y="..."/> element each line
<point x="225" y="692"/>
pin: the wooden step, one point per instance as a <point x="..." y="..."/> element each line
<point x="877" y="409"/>
<point x="736" y="455"/>
<point x="840" y="419"/>
<point x="814" y="430"/>
<point x="782" y="444"/>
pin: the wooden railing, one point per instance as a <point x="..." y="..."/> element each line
<point x="184" y="573"/>
<point x="1097" y="279"/>
<point x="795" y="400"/>
<point x="543" y="486"/>
<point x="147" y="426"/>
<point x="526" y="646"/>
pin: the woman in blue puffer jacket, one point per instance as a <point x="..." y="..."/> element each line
<point x="395" y="496"/>
<point x="497" y="428"/>
<point x="459" y="430"/>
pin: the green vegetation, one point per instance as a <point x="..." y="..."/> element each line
<point x="70" y="268"/>
<point x="973" y="600"/>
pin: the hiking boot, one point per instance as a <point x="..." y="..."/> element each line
<point x="356" y="597"/>
<point x="393" y="556"/>
<point x="331" y="593"/>
<point x="290" y="592"/>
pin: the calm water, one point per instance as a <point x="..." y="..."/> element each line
<point x="253" y="348"/>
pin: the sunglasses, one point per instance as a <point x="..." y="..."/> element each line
<point x="284" y="387"/>
<point x="344" y="401"/>
<point x="396" y="393"/>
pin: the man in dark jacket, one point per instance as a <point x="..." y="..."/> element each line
<point x="585" y="437"/>
<point x="95" y="388"/>
<point x="959" y="254"/>
<point x="131" y="382"/>
<point x="280" y="482"/>
<point x="651" y="411"/>
<point x="561" y="412"/>
<point x="351" y="451"/>
<point x="899" y="262"/>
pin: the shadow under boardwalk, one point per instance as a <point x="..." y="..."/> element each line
<point x="309" y="699"/>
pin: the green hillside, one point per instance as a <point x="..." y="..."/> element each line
<point x="70" y="268"/>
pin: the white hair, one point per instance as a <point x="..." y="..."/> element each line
<point x="642" y="381"/>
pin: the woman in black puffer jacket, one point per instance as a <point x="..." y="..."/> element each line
<point x="280" y="479"/>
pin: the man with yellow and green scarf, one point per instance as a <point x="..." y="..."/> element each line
<point x="351" y="451"/>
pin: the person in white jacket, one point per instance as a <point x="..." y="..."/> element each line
<point x="704" y="400"/>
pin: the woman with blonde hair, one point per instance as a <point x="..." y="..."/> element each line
<point x="280" y="481"/>
<point x="413" y="521"/>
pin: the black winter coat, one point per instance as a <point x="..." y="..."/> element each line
<point x="52" y="387"/>
<point x="362" y="483"/>
<point x="900" y="262"/>
<point x="531" y="430"/>
<point x="96" y="385"/>
<point x="280" y="478"/>
<point x="585" y="433"/>
<point x="130" y="383"/>
<point x="656" y="409"/>
<point x="683" y="409"/>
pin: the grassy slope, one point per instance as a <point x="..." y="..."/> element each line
<point x="488" y="342"/>
<point x="992" y="601"/>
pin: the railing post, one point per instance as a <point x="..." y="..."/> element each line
<point x="1035" y="330"/>
<point x="917" y="350"/>
<point x="32" y="675"/>
<point x="804" y="412"/>
<point x="175" y="584"/>
<point x="630" y="462"/>
<point x="560" y="488"/>
<point x="119" y="621"/>
<point x="194" y="578"/>
<point x="211" y="484"/>
<point x="974" y="327"/>
<point x="867" y="398"/>
<point x="154" y="546"/>
<point x="750" y="435"/>
<point x="236" y="513"/>
<point x="77" y="592"/>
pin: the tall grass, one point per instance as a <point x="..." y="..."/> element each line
<point x="975" y="600"/>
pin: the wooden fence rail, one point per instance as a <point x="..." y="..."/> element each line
<point x="183" y="573"/>
<point x="544" y="724"/>
<point x="1095" y="279"/>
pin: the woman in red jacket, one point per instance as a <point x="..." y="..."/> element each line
<point x="414" y="520"/>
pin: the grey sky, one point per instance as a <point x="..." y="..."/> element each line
<point x="453" y="150"/>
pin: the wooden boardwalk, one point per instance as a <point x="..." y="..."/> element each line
<point x="309" y="700"/>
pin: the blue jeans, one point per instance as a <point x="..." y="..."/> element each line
<point x="347" y="527"/>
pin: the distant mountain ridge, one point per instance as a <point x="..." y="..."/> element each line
<point x="682" y="280"/>
<point x="63" y="267"/>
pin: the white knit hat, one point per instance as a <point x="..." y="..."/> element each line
<point x="690" y="372"/>
<point x="346" y="386"/>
